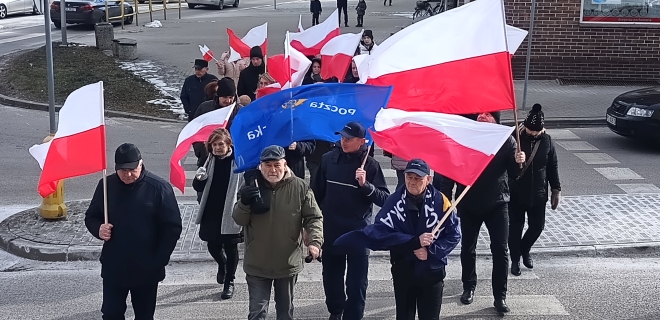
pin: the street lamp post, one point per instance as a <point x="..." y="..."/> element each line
<point x="49" y="66"/>
<point x="63" y="19"/>
<point x="529" y="51"/>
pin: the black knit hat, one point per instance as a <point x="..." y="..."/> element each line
<point x="368" y="33"/>
<point x="535" y="119"/>
<point x="226" y="88"/>
<point x="256" y="52"/>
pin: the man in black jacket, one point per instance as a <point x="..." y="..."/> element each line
<point x="248" y="80"/>
<point x="192" y="93"/>
<point x="346" y="193"/>
<point x="144" y="225"/>
<point x="486" y="203"/>
<point x="295" y="156"/>
<point x="529" y="189"/>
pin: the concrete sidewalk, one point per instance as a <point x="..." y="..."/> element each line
<point x="585" y="225"/>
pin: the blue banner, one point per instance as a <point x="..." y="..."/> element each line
<point x="311" y="112"/>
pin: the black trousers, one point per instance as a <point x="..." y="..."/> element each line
<point x="497" y="223"/>
<point x="343" y="5"/>
<point x="360" y="19"/>
<point x="519" y="244"/>
<point x="417" y="294"/>
<point x="142" y="297"/>
<point x="226" y="264"/>
<point x="334" y="269"/>
<point x="315" y="18"/>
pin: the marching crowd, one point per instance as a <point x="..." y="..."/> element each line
<point x="284" y="220"/>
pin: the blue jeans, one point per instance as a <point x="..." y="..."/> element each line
<point x="349" y="302"/>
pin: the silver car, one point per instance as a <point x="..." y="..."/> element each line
<point x="219" y="4"/>
<point x="8" y="7"/>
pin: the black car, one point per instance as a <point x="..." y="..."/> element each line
<point x="636" y="114"/>
<point x="89" y="12"/>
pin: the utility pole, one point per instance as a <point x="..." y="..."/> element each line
<point x="529" y="51"/>
<point x="63" y="19"/>
<point x="49" y="66"/>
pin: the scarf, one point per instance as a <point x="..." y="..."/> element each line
<point x="228" y="225"/>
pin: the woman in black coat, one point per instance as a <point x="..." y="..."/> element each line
<point x="219" y="185"/>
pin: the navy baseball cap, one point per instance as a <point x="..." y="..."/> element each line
<point x="418" y="167"/>
<point x="353" y="129"/>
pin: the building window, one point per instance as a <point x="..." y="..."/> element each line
<point x="621" y="12"/>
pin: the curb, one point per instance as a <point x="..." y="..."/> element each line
<point x="25" y="104"/>
<point x="564" y="122"/>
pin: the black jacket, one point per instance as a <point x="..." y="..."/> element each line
<point x="315" y="6"/>
<point x="345" y="205"/>
<point x="532" y="188"/>
<point x="321" y="148"/>
<point x="192" y="93"/>
<point x="295" y="159"/>
<point x="249" y="79"/>
<point x="492" y="186"/>
<point x="146" y="225"/>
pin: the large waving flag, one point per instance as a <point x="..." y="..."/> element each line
<point x="452" y="145"/>
<point x="240" y="47"/>
<point x="463" y="68"/>
<point x="514" y="37"/>
<point x="197" y="130"/>
<point x="288" y="69"/>
<point x="310" y="41"/>
<point x="78" y="147"/>
<point x="336" y="55"/>
<point x="313" y="112"/>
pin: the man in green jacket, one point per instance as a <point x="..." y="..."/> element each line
<point x="274" y="207"/>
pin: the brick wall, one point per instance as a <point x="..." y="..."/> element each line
<point x="562" y="48"/>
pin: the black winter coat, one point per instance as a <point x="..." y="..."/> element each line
<point x="492" y="186"/>
<point x="192" y="93"/>
<point x="315" y="6"/>
<point x="321" y="148"/>
<point x="249" y="79"/>
<point x="532" y="188"/>
<point x="345" y="205"/>
<point x="146" y="225"/>
<point x="295" y="159"/>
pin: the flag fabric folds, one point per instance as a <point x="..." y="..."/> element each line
<point x="453" y="146"/>
<point x="310" y="41"/>
<point x="240" y="47"/>
<point x="78" y="147"/>
<point x="311" y="112"/>
<point x="207" y="54"/>
<point x="337" y="54"/>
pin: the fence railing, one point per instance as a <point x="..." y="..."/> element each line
<point x="136" y="11"/>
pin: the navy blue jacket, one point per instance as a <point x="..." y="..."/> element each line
<point x="192" y="93"/>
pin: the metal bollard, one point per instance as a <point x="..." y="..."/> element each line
<point x="104" y="33"/>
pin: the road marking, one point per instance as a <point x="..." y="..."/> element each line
<point x="638" y="188"/>
<point x="596" y="158"/>
<point x="389" y="173"/>
<point x="576" y="145"/>
<point x="562" y="134"/>
<point x="189" y="192"/>
<point x="619" y="173"/>
<point x="190" y="175"/>
<point x="23" y="37"/>
<point x="190" y="160"/>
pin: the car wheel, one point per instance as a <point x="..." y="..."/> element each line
<point x="235" y="5"/>
<point x="221" y="5"/>
<point x="129" y="20"/>
<point x="58" y="25"/>
<point x="141" y="1"/>
<point x="3" y="11"/>
<point x="191" y="6"/>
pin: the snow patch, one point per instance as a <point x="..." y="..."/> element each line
<point x="154" y="24"/>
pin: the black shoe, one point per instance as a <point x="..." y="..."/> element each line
<point x="335" y="317"/>
<point x="357" y="25"/>
<point x="346" y="24"/>
<point x="228" y="292"/>
<point x="527" y="261"/>
<point x="500" y="306"/>
<point x="515" y="268"/>
<point x="220" y="276"/>
<point x="467" y="297"/>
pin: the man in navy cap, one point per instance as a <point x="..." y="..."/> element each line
<point x="192" y="93"/>
<point x="346" y="191"/>
<point x="143" y="227"/>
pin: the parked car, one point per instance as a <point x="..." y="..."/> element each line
<point x="8" y="7"/>
<point x="219" y="4"/>
<point x="636" y="114"/>
<point x="158" y="1"/>
<point x="89" y="12"/>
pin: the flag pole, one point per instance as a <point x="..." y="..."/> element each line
<point x="366" y="156"/>
<point x="436" y="230"/>
<point x="105" y="197"/>
<point x="513" y="93"/>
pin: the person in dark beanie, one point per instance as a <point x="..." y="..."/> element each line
<point x="315" y="9"/>
<point x="192" y="93"/>
<point x="249" y="78"/>
<point x="143" y="227"/>
<point x="529" y="189"/>
<point x="367" y="44"/>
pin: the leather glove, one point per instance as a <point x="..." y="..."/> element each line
<point x="249" y="194"/>
<point x="554" y="198"/>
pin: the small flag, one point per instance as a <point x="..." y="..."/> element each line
<point x="207" y="54"/>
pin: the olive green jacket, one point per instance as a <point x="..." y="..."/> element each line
<point x="273" y="240"/>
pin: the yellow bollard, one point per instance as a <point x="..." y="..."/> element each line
<point x="53" y="206"/>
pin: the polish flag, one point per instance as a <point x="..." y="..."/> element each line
<point x="197" y="130"/>
<point x="288" y="69"/>
<point x="240" y="47"/>
<point x="207" y="54"/>
<point x="78" y="147"/>
<point x="514" y="37"/>
<point x="454" y="146"/>
<point x="337" y="54"/>
<point x="300" y="27"/>
<point x="465" y="67"/>
<point x="310" y="41"/>
<point x="271" y="88"/>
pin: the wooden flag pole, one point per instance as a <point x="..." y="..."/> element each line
<point x="105" y="196"/>
<point x="365" y="157"/>
<point x="436" y="230"/>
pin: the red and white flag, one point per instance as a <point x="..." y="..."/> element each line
<point x="197" y="130"/>
<point x="78" y="147"/>
<point x="456" y="147"/>
<point x="240" y="47"/>
<point x="336" y="55"/>
<point x="514" y="37"/>
<point x="310" y="41"/>
<point x="288" y="69"/>
<point x="207" y="54"/>
<point x="465" y="67"/>
<point x="300" y="27"/>
<point x="271" y="88"/>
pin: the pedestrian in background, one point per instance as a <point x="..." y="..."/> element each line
<point x="219" y="185"/>
<point x="144" y="225"/>
<point x="361" y="9"/>
<point x="315" y="9"/>
<point x="529" y="189"/>
<point x="249" y="78"/>
<point x="343" y="5"/>
<point x="192" y="92"/>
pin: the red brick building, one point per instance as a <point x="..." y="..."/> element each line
<point x="589" y="39"/>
